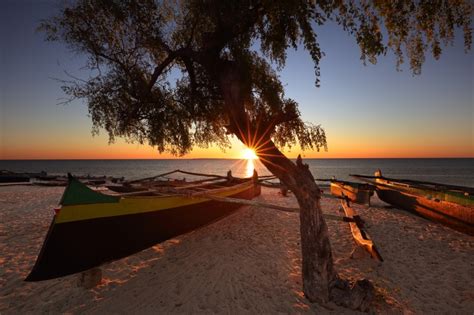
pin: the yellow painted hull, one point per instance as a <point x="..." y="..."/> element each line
<point x="83" y="236"/>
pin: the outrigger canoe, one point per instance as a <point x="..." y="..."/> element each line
<point x="91" y="227"/>
<point x="450" y="205"/>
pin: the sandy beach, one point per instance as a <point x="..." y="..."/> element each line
<point x="249" y="262"/>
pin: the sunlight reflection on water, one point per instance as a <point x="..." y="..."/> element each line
<point x="249" y="168"/>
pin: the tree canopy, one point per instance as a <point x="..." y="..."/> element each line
<point x="156" y="63"/>
<point x="226" y="56"/>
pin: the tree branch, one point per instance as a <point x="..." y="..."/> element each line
<point x="192" y="75"/>
<point x="159" y="70"/>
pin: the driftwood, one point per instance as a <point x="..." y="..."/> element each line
<point x="360" y="235"/>
<point x="354" y="295"/>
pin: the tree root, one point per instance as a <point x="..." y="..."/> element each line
<point x="355" y="296"/>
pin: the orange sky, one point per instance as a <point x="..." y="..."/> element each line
<point x="352" y="146"/>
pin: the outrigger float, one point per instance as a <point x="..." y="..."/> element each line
<point x="92" y="227"/>
<point x="359" y="193"/>
<point x="359" y="232"/>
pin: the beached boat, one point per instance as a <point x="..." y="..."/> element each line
<point x="61" y="180"/>
<point x="13" y="177"/>
<point x="355" y="192"/>
<point x="92" y="227"/>
<point x="24" y="177"/>
<point x="447" y="204"/>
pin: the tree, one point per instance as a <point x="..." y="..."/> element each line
<point x="226" y="52"/>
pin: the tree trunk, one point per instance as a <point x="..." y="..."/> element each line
<point x="318" y="268"/>
<point x="320" y="280"/>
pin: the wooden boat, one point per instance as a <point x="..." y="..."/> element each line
<point x="12" y="177"/>
<point x="91" y="227"/>
<point x="61" y="180"/>
<point x="448" y="204"/>
<point x="355" y="192"/>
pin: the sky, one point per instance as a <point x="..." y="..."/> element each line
<point x="367" y="111"/>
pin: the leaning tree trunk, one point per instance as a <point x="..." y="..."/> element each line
<point x="320" y="280"/>
<point x="318" y="266"/>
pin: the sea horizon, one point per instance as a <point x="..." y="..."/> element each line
<point x="455" y="171"/>
<point x="210" y="158"/>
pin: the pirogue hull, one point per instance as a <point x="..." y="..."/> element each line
<point x="355" y="192"/>
<point x="107" y="228"/>
<point x="453" y="207"/>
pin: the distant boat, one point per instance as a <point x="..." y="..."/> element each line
<point x="92" y="227"/>
<point x="12" y="177"/>
<point x="448" y="204"/>
<point x="355" y="192"/>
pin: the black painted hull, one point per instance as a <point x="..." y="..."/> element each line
<point x="80" y="245"/>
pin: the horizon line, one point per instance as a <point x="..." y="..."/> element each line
<point x="210" y="158"/>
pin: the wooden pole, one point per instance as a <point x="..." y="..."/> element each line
<point x="270" y="206"/>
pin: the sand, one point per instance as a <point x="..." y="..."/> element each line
<point x="249" y="262"/>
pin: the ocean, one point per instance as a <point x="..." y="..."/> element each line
<point x="449" y="171"/>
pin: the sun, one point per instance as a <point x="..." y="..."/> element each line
<point x="249" y="154"/>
